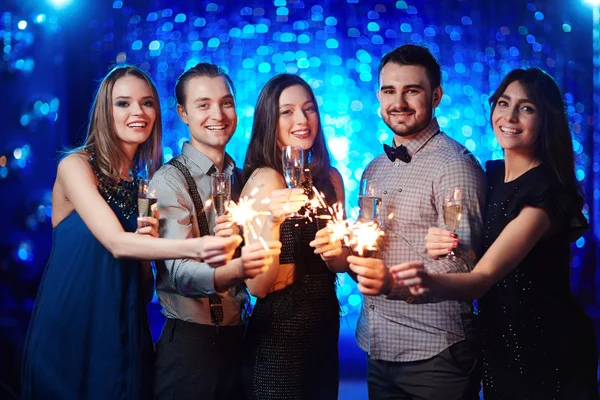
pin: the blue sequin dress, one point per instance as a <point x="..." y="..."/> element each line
<point x="89" y="336"/>
<point x="538" y="343"/>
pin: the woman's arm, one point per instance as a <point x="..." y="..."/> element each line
<point x="510" y="248"/>
<point x="78" y="183"/>
<point x="270" y="185"/>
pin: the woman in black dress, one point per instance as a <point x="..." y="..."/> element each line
<point x="291" y="351"/>
<point x="537" y="342"/>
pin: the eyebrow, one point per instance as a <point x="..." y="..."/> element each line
<point x="129" y="97"/>
<point x="290" y="104"/>
<point x="199" y="99"/>
<point x="411" y="86"/>
<point x="523" y="100"/>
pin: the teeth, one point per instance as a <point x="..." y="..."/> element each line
<point x="508" y="130"/>
<point x="216" y="127"/>
<point x="138" y="125"/>
<point x="301" y="133"/>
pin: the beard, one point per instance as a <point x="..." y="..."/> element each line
<point x="408" y="127"/>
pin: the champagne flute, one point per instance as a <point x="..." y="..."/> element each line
<point x="221" y="192"/>
<point x="147" y="198"/>
<point x="452" y="209"/>
<point x="293" y="166"/>
<point x="369" y="200"/>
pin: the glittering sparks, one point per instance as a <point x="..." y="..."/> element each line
<point x="365" y="236"/>
<point x="314" y="204"/>
<point x="244" y="214"/>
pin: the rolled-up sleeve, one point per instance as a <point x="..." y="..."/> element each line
<point x="187" y="277"/>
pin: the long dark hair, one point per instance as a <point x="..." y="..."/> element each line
<point x="553" y="145"/>
<point x="263" y="150"/>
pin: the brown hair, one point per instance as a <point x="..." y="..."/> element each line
<point x="101" y="137"/>
<point x="200" y="70"/>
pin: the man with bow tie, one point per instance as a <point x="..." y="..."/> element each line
<point x="418" y="347"/>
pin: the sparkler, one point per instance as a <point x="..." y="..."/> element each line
<point x="361" y="236"/>
<point x="244" y="214"/>
<point x="365" y="236"/>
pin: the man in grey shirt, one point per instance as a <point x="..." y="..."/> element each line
<point x="199" y="350"/>
<point x="418" y="348"/>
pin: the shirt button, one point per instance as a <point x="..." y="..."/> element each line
<point x="385" y="192"/>
<point x="372" y="307"/>
<point x="399" y="190"/>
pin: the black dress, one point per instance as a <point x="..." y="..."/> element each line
<point x="291" y="349"/>
<point x="538" y="343"/>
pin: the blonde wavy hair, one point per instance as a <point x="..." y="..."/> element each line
<point x="102" y="138"/>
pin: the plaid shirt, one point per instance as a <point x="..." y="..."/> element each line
<point x="399" y="327"/>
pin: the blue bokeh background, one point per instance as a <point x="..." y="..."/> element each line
<point x="52" y="59"/>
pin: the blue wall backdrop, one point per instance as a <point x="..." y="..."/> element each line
<point x="52" y="58"/>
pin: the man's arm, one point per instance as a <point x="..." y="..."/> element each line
<point x="187" y="276"/>
<point x="466" y="173"/>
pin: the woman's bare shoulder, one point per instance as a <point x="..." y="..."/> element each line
<point x="265" y="180"/>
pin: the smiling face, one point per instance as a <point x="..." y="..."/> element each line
<point x="515" y="120"/>
<point x="298" y="119"/>
<point x="134" y="110"/>
<point x="407" y="99"/>
<point x="209" y="111"/>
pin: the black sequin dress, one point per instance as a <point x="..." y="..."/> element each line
<point x="538" y="343"/>
<point x="291" y="349"/>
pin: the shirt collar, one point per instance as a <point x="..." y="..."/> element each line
<point x="204" y="163"/>
<point x="417" y="142"/>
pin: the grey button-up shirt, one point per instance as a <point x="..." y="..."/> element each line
<point x="399" y="327"/>
<point x="183" y="285"/>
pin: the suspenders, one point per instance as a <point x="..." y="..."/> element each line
<point x="216" y="306"/>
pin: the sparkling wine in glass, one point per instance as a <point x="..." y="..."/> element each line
<point x="452" y="209"/>
<point x="293" y="168"/>
<point x="369" y="200"/>
<point x="147" y="198"/>
<point x="221" y="192"/>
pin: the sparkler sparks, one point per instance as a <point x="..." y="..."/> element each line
<point x="244" y="214"/>
<point x="365" y="236"/>
<point x="361" y="236"/>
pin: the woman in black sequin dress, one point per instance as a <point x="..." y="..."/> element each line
<point x="291" y="350"/>
<point x="537" y="342"/>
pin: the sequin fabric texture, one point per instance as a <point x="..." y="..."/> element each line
<point x="292" y="339"/>
<point x="535" y="337"/>
<point x="121" y="193"/>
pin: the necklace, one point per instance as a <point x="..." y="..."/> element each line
<point x="121" y="193"/>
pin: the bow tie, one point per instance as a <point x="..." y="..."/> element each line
<point x="399" y="152"/>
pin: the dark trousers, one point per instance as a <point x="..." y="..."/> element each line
<point x="196" y="361"/>
<point x="454" y="374"/>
